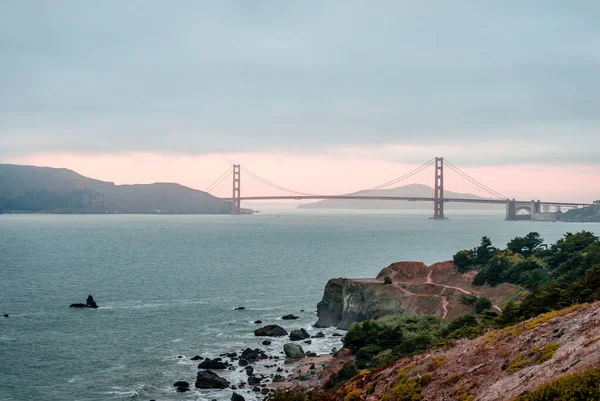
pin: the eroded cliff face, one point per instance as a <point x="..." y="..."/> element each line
<point x="416" y="289"/>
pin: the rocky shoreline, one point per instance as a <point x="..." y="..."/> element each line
<point x="253" y="373"/>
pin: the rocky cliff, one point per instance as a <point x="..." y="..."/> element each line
<point x="416" y="289"/>
<point x="590" y="214"/>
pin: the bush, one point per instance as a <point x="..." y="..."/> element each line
<point x="579" y="386"/>
<point x="403" y="335"/>
<point x="468" y="299"/>
<point x="387" y="280"/>
<point x="482" y="304"/>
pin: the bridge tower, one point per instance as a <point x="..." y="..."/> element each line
<point x="438" y="203"/>
<point x="235" y="199"/>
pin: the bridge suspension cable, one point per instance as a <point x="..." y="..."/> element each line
<point x="273" y="185"/>
<point x="219" y="180"/>
<point x="405" y="176"/>
<point x="473" y="180"/>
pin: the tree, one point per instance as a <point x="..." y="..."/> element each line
<point x="482" y="304"/>
<point x="484" y="251"/>
<point x="387" y="280"/>
<point x="463" y="261"/>
<point x="526" y="245"/>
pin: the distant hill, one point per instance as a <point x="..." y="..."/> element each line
<point x="406" y="190"/>
<point x="58" y="190"/>
<point x="590" y="214"/>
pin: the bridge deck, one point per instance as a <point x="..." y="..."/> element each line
<point x="401" y="198"/>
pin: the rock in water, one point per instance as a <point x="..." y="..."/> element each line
<point x="266" y="342"/>
<point x="297" y="335"/>
<point x="182" y="386"/>
<point x="90" y="302"/>
<point x="209" y="379"/>
<point x="293" y="350"/>
<point x="271" y="330"/>
<point x="289" y="317"/>
<point x="320" y="334"/>
<point x="239" y="308"/>
<point x="237" y="397"/>
<point x="213" y="364"/>
<point x="6" y="315"/>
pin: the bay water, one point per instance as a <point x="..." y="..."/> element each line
<point x="167" y="286"/>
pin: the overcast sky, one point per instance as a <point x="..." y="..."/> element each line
<point x="487" y="84"/>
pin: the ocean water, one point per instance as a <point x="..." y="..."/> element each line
<point x="167" y="287"/>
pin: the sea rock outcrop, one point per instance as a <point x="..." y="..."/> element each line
<point x="89" y="303"/>
<point x="293" y="350"/>
<point x="209" y="379"/>
<point x="297" y="335"/>
<point x="416" y="289"/>
<point x="216" y="363"/>
<point x="271" y="330"/>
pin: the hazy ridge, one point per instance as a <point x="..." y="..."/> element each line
<point x="58" y="190"/>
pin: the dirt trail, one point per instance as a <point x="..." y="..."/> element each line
<point x="444" y="303"/>
<point x="429" y="281"/>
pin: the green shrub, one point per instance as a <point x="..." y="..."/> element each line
<point x="546" y="352"/>
<point x="517" y="363"/>
<point x="482" y="304"/>
<point x="403" y="335"/>
<point x="468" y="299"/>
<point x="387" y="280"/>
<point x="579" y="386"/>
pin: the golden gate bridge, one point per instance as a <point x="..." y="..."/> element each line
<point x="437" y="181"/>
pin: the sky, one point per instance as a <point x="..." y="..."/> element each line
<point x="320" y="96"/>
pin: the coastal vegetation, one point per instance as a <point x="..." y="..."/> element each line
<point x="560" y="277"/>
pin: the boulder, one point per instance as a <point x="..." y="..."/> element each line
<point x="250" y="353"/>
<point x="181" y="384"/>
<point x="320" y="334"/>
<point x="196" y="358"/>
<point x="252" y="380"/>
<point x="307" y="342"/>
<point x="239" y="308"/>
<point x="209" y="379"/>
<point x="264" y="391"/>
<point x="266" y="342"/>
<point x="297" y="335"/>
<point x="237" y="397"/>
<point x="271" y="330"/>
<point x="6" y="315"/>
<point x="89" y="303"/>
<point x="258" y="321"/>
<point x="182" y="389"/>
<point x="249" y="370"/>
<point x="289" y="317"/>
<point x="293" y="351"/>
<point x="213" y="364"/>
